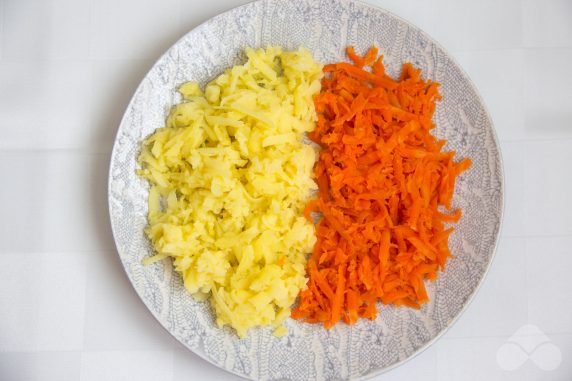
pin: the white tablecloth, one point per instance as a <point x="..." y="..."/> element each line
<point x="67" y="71"/>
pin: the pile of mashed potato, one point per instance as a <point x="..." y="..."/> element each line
<point x="229" y="179"/>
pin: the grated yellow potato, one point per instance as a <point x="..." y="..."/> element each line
<point x="229" y="179"/>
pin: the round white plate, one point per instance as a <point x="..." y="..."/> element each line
<point x="310" y="352"/>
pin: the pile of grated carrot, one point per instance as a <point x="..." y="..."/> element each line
<point x="383" y="182"/>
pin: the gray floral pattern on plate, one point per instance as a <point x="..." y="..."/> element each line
<point x="309" y="352"/>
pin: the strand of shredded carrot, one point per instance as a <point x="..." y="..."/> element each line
<point x="382" y="178"/>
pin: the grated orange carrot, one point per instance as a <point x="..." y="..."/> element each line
<point x="382" y="178"/>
